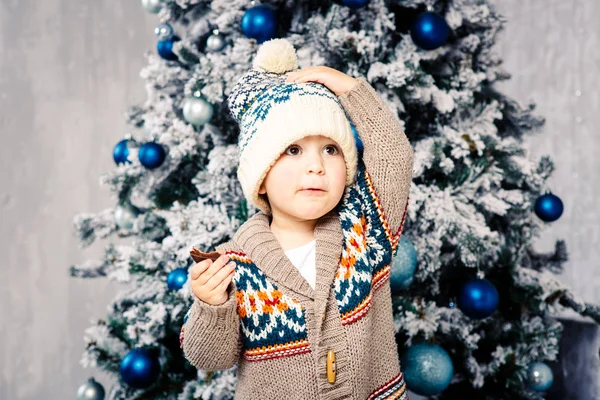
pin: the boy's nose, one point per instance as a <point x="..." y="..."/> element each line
<point x="315" y="165"/>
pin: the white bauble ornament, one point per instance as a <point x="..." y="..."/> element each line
<point x="197" y="111"/>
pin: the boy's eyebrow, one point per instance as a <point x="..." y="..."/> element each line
<point x="326" y="140"/>
<point x="332" y="143"/>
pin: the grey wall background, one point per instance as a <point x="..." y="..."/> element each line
<point x="552" y="50"/>
<point x="68" y="71"/>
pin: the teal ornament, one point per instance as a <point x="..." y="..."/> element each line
<point x="539" y="377"/>
<point x="427" y="369"/>
<point x="177" y="278"/>
<point x="404" y="264"/>
<point x="91" y="390"/>
<point x="197" y="111"/>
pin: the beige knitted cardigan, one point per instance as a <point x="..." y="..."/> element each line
<point x="348" y="316"/>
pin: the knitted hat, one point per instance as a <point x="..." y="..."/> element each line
<point x="273" y="114"/>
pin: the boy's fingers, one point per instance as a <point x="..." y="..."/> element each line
<point x="220" y="263"/>
<point x="199" y="268"/>
<point x="224" y="283"/>
<point x="310" y="77"/>
<point x="295" y="75"/>
<point x="213" y="269"/>
<point x="221" y="275"/>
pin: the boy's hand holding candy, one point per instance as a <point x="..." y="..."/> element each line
<point x="210" y="279"/>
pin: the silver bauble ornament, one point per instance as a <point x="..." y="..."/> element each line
<point x="91" y="390"/>
<point x="152" y="6"/>
<point x="125" y="216"/>
<point x="215" y="42"/>
<point x="164" y="31"/>
<point x="197" y="111"/>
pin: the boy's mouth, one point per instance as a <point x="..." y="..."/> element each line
<point x="312" y="191"/>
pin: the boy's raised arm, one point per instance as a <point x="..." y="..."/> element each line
<point x="388" y="155"/>
<point x="210" y="336"/>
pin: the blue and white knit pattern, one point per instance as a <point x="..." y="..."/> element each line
<point x="273" y="324"/>
<point x="267" y="100"/>
<point x="367" y="249"/>
<point x="273" y="114"/>
<point x="247" y="90"/>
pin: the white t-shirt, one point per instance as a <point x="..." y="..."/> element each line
<point x="304" y="258"/>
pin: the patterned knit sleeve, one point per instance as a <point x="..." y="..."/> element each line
<point x="384" y="174"/>
<point x="210" y="336"/>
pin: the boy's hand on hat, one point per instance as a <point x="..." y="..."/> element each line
<point x="210" y="279"/>
<point x="336" y="81"/>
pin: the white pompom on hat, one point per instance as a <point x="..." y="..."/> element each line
<point x="277" y="56"/>
<point x="273" y="114"/>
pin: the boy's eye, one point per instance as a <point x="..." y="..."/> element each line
<point x="295" y="150"/>
<point x="334" y="149"/>
<point x="292" y="150"/>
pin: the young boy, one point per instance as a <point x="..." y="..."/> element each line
<point x="304" y="305"/>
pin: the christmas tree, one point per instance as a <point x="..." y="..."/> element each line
<point x="474" y="304"/>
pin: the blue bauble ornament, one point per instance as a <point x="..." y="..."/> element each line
<point x="164" y="31"/>
<point x="549" y="207"/>
<point x="165" y="48"/>
<point x="359" y="144"/>
<point x="151" y="155"/>
<point x="404" y="264"/>
<point x="177" y="278"/>
<point x="139" y="368"/>
<point x="430" y="31"/>
<point x="478" y="298"/>
<point x="260" y="23"/>
<point x="124" y="151"/>
<point x="427" y="369"/>
<point x="539" y="377"/>
<point x="355" y="3"/>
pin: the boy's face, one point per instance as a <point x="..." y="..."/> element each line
<point x="313" y="162"/>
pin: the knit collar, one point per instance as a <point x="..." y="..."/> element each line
<point x="257" y="241"/>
